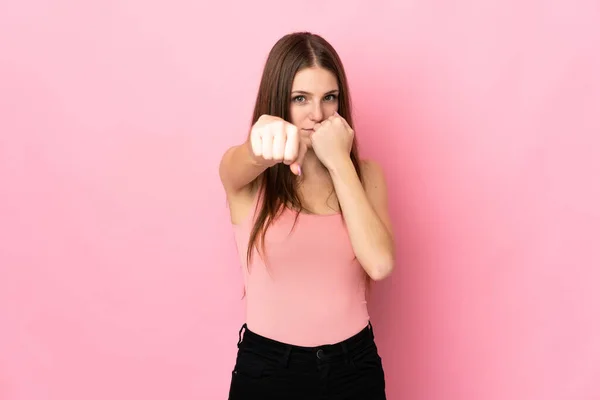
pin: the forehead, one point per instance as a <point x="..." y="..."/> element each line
<point x="315" y="80"/>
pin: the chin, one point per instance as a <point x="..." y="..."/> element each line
<point x="306" y="141"/>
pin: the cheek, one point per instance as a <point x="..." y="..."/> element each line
<point x="330" y="109"/>
<point x="297" y="115"/>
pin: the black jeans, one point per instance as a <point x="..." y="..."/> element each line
<point x="266" y="369"/>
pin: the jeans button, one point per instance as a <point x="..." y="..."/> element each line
<point x="320" y="354"/>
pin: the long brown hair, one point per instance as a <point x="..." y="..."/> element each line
<point x="291" y="53"/>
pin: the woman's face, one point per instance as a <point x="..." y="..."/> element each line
<point x="314" y="98"/>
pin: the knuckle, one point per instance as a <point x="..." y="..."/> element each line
<point x="281" y="134"/>
<point x="267" y="132"/>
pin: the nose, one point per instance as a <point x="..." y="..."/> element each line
<point x="316" y="114"/>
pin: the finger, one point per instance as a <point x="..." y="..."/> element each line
<point x="279" y="140"/>
<point x="296" y="166"/>
<point x="256" y="144"/>
<point x="343" y="121"/>
<point x="291" y="144"/>
<point x="267" y="146"/>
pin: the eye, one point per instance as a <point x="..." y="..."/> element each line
<point x="331" y="97"/>
<point x="299" y="99"/>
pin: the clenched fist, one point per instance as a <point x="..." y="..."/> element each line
<point x="274" y="140"/>
<point x="332" y="141"/>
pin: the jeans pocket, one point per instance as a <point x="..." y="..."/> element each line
<point x="249" y="366"/>
<point x="368" y="359"/>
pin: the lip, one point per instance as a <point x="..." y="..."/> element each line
<point x="308" y="130"/>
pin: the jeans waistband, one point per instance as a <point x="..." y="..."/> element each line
<point x="276" y="349"/>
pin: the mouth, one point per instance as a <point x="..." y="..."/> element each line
<point x="308" y="130"/>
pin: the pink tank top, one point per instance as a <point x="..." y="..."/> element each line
<point x="312" y="290"/>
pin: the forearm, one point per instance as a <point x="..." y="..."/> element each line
<point x="370" y="238"/>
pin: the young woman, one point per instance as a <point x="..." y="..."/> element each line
<point x="312" y="229"/>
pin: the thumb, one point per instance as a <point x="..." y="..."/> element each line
<point x="296" y="165"/>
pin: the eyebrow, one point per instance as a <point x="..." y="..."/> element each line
<point x="309" y="93"/>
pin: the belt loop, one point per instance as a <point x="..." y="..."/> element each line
<point x="286" y="356"/>
<point x="348" y="358"/>
<point x="346" y="353"/>
<point x="240" y="334"/>
<point x="371" y="330"/>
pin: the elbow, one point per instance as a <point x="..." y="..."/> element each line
<point x="381" y="269"/>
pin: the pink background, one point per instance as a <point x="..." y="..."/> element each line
<point x="118" y="272"/>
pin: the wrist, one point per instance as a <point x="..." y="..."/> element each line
<point x="340" y="166"/>
<point x="255" y="160"/>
